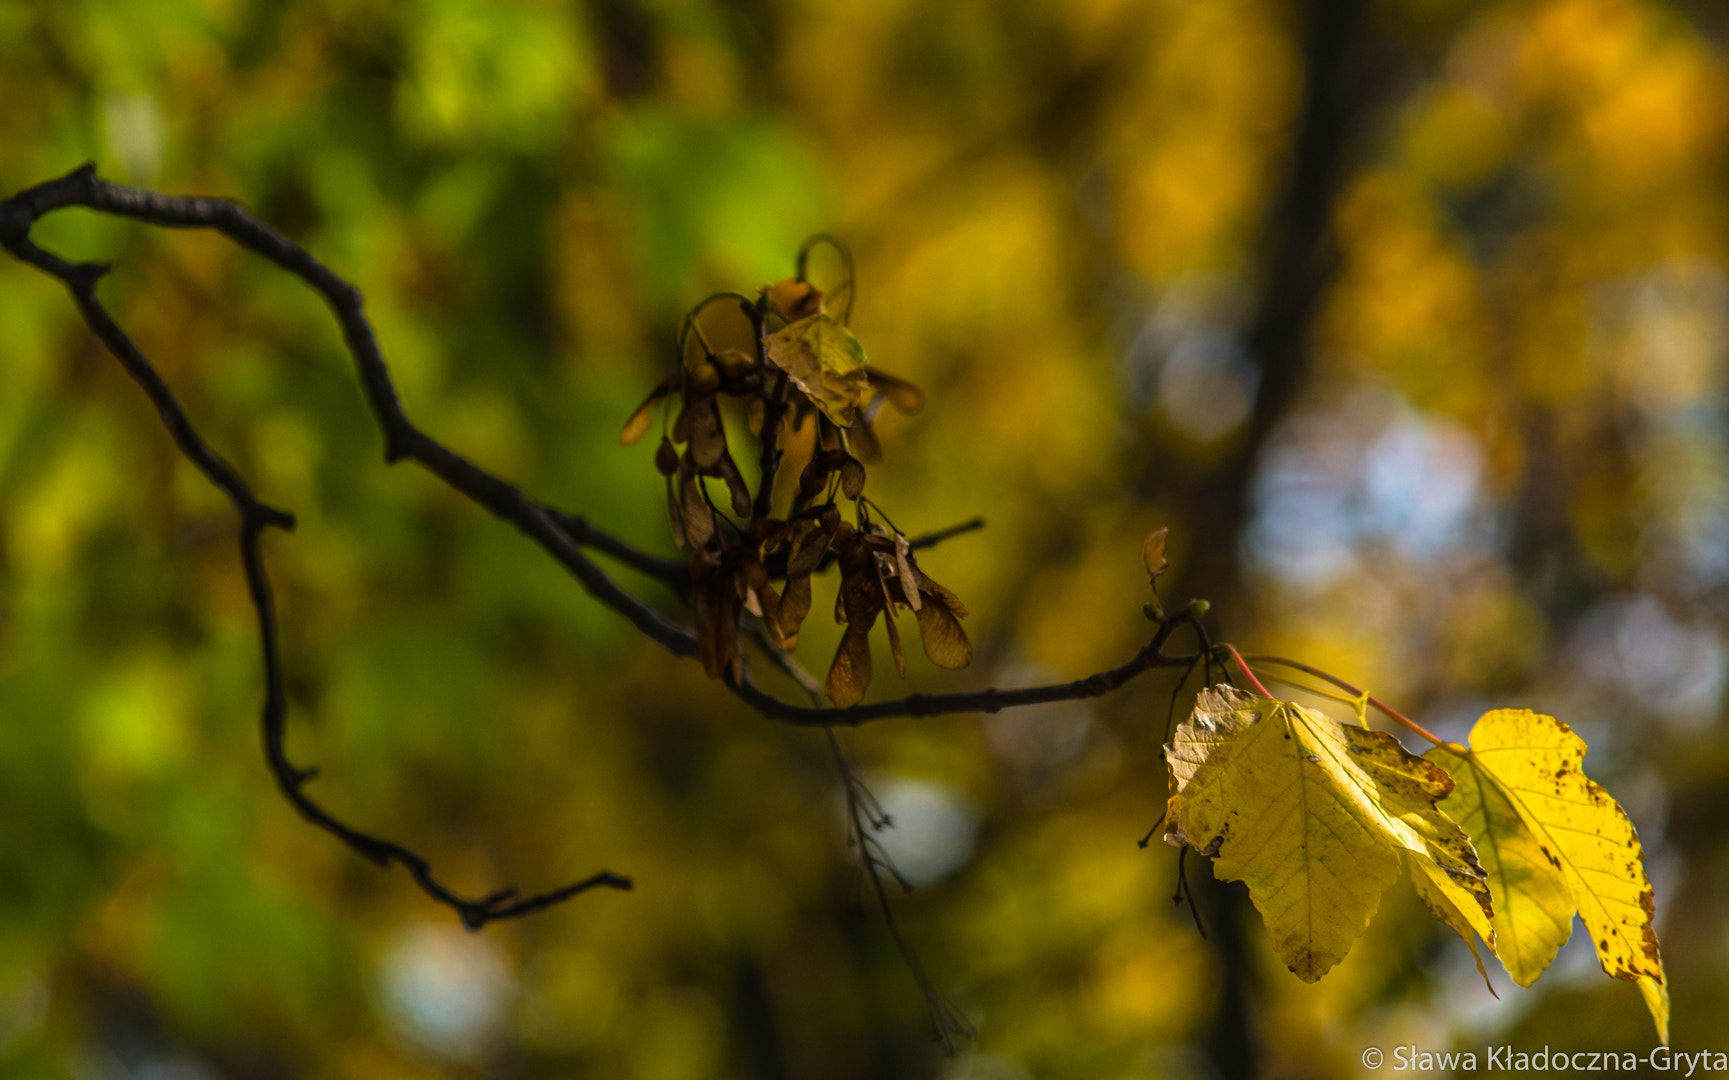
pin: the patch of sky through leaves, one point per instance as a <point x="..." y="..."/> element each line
<point x="1367" y="473"/>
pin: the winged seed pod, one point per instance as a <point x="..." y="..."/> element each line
<point x="814" y="367"/>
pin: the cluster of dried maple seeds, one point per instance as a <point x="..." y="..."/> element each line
<point x="807" y="371"/>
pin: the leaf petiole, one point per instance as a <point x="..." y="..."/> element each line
<point x="1356" y="703"/>
<point x="1378" y="705"/>
<point x="1237" y="657"/>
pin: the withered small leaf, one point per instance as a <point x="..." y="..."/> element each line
<point x="707" y="434"/>
<point x="759" y="596"/>
<point x="1154" y="551"/>
<point x="814" y="477"/>
<point x="850" y="674"/>
<point x="794" y="606"/>
<point x="735" y="363"/>
<point x="704" y="380"/>
<point x="808" y="542"/>
<point x="903" y="395"/>
<point x="940" y="629"/>
<point x="793" y="299"/>
<point x="852" y="477"/>
<point x="889" y="622"/>
<point x="735" y="485"/>
<point x="677" y="516"/>
<point x="895" y="643"/>
<point x="826" y="361"/>
<point x="698" y="518"/>
<point x="862" y="438"/>
<point x="716" y="615"/>
<point x="909" y="576"/>
<point x="666" y="457"/>
<point x="948" y="599"/>
<point x="637" y="426"/>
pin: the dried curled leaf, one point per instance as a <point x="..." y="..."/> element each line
<point x="826" y="362"/>
<point x="1312" y="816"/>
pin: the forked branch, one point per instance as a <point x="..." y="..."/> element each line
<point x="564" y="537"/>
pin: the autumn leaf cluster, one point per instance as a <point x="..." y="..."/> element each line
<point x="1504" y="839"/>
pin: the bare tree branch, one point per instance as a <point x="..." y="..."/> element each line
<point x="985" y="701"/>
<point x="82" y="188"/>
<point x="932" y="539"/>
<point x="561" y="535"/>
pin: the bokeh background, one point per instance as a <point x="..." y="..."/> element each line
<point x="1410" y="319"/>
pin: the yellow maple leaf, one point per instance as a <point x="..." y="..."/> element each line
<point x="826" y="361"/>
<point x="1554" y="841"/>
<point x="1310" y="815"/>
<point x="1466" y="908"/>
<point x="1533" y="907"/>
<point x="1656" y="995"/>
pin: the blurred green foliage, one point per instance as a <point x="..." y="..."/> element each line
<point x="1499" y="475"/>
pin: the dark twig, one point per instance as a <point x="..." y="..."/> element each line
<point x="789" y="667"/>
<point x="83" y="188"/>
<point x="673" y="573"/>
<point x="932" y="539"/>
<point x="776" y="563"/>
<point x="1186" y="892"/>
<point x="1147" y="839"/>
<point x="848" y="280"/>
<point x="985" y="701"/>
<point x="865" y="817"/>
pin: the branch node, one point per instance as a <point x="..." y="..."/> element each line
<point x="265" y="514"/>
<point x="86" y="275"/>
